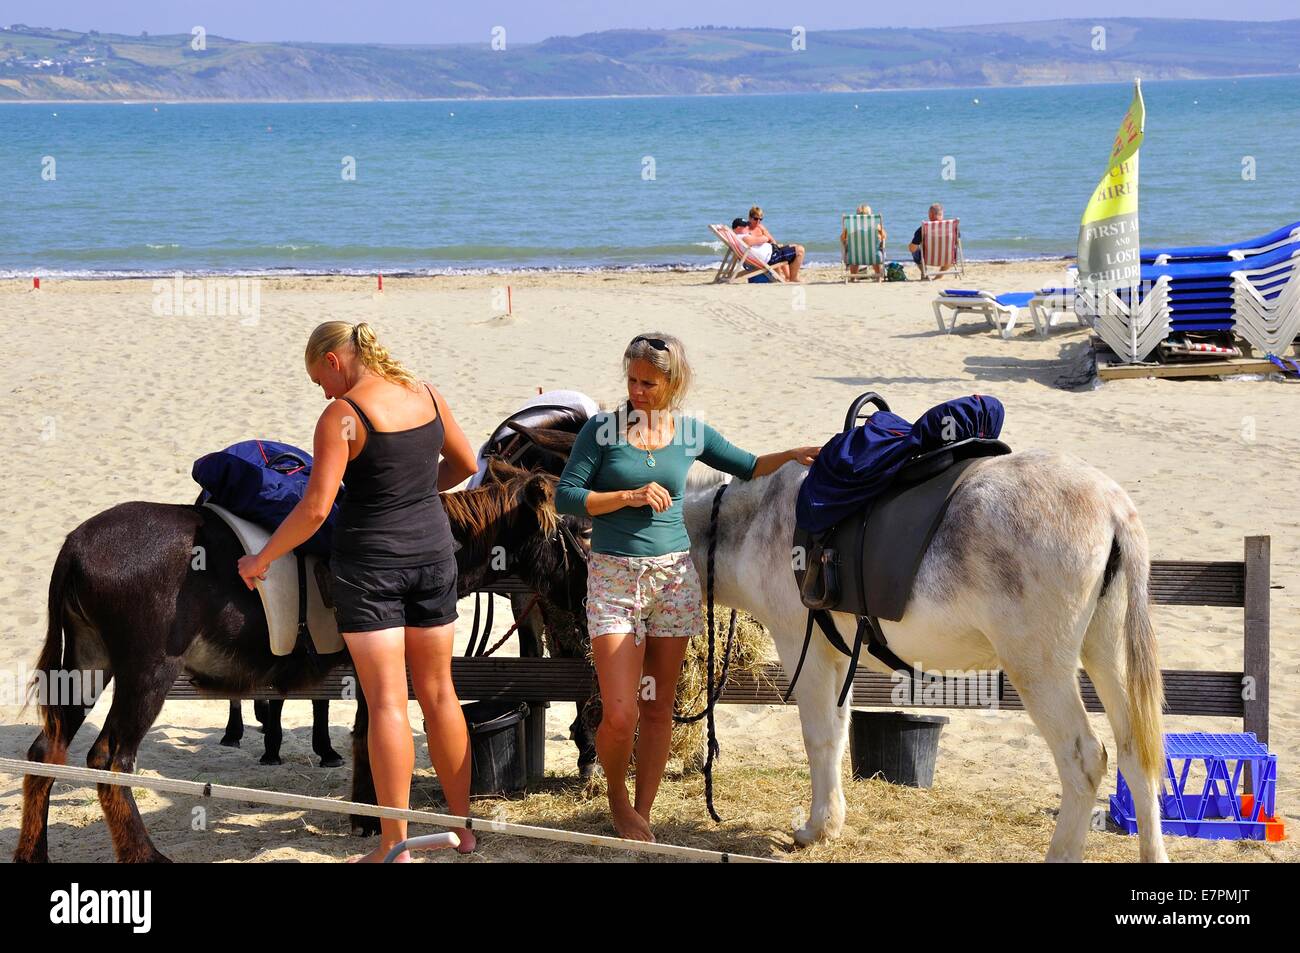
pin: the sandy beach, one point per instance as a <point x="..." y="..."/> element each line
<point x="106" y="400"/>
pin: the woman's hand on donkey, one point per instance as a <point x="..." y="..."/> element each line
<point x="252" y="568"/>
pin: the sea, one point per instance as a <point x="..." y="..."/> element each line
<point x="447" y="187"/>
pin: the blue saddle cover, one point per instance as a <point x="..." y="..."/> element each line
<point x="262" y="481"/>
<point x="856" y="466"/>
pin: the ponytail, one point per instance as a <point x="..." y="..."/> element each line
<point x="375" y="356"/>
<point x="336" y="336"/>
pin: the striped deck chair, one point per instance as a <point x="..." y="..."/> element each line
<point x="863" y="247"/>
<point x="941" y="248"/>
<point x="738" y="264"/>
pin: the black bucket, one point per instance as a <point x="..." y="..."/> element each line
<point x="895" y="745"/>
<point x="498" y="746"/>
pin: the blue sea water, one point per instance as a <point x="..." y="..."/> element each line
<point x="450" y="186"/>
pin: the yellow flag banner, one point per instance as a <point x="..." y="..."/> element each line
<point x="1109" y="251"/>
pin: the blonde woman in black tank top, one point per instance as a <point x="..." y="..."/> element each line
<point x="393" y="562"/>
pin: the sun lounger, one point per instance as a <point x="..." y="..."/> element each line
<point x="863" y="247"/>
<point x="738" y="261"/>
<point x="1131" y="329"/>
<point x="1233" y="251"/>
<point x="1217" y="295"/>
<point x="998" y="311"/>
<point x="1256" y="297"/>
<point x="1049" y="305"/>
<point x="1002" y="311"/>
<point x="941" y="248"/>
<point x="1266" y="302"/>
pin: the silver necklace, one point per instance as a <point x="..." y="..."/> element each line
<point x="649" y="454"/>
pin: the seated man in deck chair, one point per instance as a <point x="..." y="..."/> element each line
<point x="761" y="248"/>
<point x="936" y="215"/>
<point x="791" y="254"/>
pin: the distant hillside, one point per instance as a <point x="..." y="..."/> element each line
<point x="39" y="63"/>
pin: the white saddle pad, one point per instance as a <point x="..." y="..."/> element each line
<point x="279" y="592"/>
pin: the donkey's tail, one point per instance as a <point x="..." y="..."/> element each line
<point x="51" y="659"/>
<point x="1145" y="683"/>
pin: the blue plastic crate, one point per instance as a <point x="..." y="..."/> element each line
<point x="1220" y="810"/>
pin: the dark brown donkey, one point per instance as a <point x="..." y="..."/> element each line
<point x="145" y="591"/>
<point x="542" y="446"/>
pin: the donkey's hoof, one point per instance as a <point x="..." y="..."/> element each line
<point x="270" y="759"/>
<point x="803" y="837"/>
<point x="230" y="741"/>
<point x="31" y="857"/>
<point x="363" y="825"/>
<point x="809" y="834"/>
<point x="331" y="759"/>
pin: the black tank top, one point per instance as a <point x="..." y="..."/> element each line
<point x="392" y="514"/>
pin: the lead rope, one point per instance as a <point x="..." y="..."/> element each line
<point x="711" y="695"/>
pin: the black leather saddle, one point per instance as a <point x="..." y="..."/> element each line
<point x="867" y="563"/>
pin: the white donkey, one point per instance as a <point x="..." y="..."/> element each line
<point x="1013" y="579"/>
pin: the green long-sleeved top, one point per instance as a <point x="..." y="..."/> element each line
<point x="603" y="460"/>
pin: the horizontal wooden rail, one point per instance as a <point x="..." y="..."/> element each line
<point x="568" y="679"/>
<point x="1242" y="584"/>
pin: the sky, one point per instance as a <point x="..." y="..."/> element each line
<point x="527" y="21"/>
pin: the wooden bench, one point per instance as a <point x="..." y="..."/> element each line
<point x="1235" y="694"/>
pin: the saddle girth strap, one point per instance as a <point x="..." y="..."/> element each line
<point x="876" y="646"/>
<point x="305" y="642"/>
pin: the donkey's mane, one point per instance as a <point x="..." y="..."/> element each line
<point x="478" y="510"/>
<point x="480" y="513"/>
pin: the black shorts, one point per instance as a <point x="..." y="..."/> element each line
<point x="781" y="253"/>
<point x="368" y="598"/>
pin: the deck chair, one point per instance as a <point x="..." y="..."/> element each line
<point x="738" y="263"/>
<point x="941" y="248"/>
<point x="862" y="246"/>
<point x="999" y="312"/>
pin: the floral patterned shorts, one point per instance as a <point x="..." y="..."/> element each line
<point x="645" y="595"/>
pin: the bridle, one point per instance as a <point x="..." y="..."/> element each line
<point x="568" y="542"/>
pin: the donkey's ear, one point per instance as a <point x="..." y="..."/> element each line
<point x="539" y="494"/>
<point x="499" y="471"/>
<point x="558" y="442"/>
<point x="539" y="491"/>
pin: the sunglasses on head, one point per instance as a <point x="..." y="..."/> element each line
<point x="659" y="344"/>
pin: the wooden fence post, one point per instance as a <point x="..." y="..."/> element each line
<point x="1256" y="648"/>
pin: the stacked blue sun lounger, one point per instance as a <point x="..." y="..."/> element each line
<point x="1234" y="251"/>
<point x="1253" y="297"/>
<point x="1251" y="289"/>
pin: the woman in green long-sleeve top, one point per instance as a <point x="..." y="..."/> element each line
<point x="627" y="471"/>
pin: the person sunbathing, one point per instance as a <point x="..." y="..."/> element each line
<point x="880" y="234"/>
<point x="788" y="254"/>
<point x="760" y="248"/>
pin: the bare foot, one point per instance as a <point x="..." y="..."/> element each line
<point x="377" y="856"/>
<point x="467" y="841"/>
<point x="629" y="824"/>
